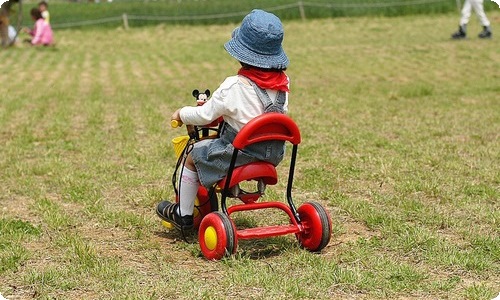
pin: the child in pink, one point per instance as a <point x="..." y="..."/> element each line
<point x="41" y="32"/>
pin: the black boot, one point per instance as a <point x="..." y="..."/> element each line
<point x="486" y="33"/>
<point x="460" y="34"/>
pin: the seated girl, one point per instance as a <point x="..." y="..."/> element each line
<point x="41" y="32"/>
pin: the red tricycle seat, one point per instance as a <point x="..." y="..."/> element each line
<point x="255" y="171"/>
<point x="263" y="173"/>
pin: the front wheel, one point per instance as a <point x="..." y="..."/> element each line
<point x="317" y="227"/>
<point x="205" y="203"/>
<point x="217" y="236"/>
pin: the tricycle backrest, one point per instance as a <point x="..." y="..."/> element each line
<point x="266" y="127"/>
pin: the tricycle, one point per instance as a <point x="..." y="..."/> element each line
<point x="218" y="234"/>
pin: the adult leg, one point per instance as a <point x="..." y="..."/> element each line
<point x="464" y="19"/>
<point x="466" y="12"/>
<point x="478" y="7"/>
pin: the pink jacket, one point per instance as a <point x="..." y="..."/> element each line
<point x="42" y="33"/>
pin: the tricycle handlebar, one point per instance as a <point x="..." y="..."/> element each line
<point x="175" y="123"/>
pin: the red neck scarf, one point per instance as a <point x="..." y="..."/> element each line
<point x="274" y="80"/>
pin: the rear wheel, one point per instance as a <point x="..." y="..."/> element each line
<point x="317" y="227"/>
<point x="217" y="236"/>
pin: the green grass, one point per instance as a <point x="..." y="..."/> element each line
<point x="13" y="233"/>
<point x="400" y="144"/>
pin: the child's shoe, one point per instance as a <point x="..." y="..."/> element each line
<point x="486" y="33"/>
<point x="460" y="34"/>
<point x="167" y="211"/>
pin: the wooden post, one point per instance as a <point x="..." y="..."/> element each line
<point x="20" y="15"/>
<point x="302" y="11"/>
<point x="459" y="5"/>
<point x="125" y="21"/>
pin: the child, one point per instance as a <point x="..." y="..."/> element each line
<point x="44" y="9"/>
<point x="41" y="32"/>
<point x="477" y="6"/>
<point x="261" y="86"/>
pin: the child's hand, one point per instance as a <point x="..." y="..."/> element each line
<point x="176" y="115"/>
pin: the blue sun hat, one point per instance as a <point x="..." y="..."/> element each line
<point x="257" y="42"/>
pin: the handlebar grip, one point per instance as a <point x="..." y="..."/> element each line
<point x="175" y="123"/>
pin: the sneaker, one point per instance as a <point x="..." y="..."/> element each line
<point x="167" y="211"/>
<point x="486" y="33"/>
<point x="460" y="34"/>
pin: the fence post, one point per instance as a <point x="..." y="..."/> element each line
<point x="459" y="5"/>
<point x="125" y="21"/>
<point x="302" y="11"/>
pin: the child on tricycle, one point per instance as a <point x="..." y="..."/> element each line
<point x="261" y="86"/>
<point x="249" y="144"/>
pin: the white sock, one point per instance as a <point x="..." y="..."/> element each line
<point x="188" y="189"/>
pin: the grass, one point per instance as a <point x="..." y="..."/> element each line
<point x="64" y="13"/>
<point x="400" y="144"/>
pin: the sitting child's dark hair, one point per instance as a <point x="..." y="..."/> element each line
<point x="35" y="13"/>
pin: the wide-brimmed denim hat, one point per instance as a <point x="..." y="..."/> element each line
<point x="257" y="42"/>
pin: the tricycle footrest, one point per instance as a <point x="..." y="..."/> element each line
<point x="267" y="231"/>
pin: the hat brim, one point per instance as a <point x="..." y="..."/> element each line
<point x="237" y="50"/>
